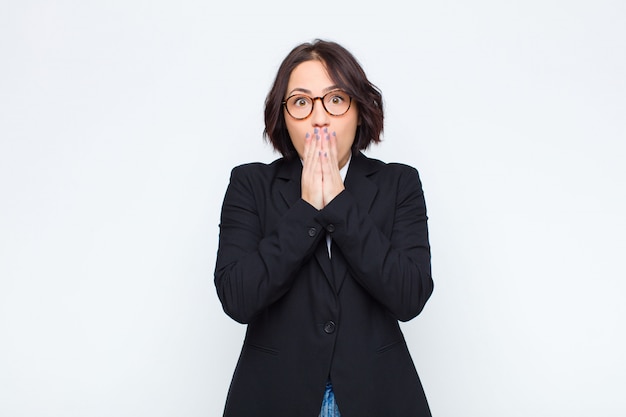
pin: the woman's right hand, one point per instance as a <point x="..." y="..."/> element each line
<point x="312" y="185"/>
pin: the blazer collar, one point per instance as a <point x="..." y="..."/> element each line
<point x="357" y="179"/>
<point x="290" y="173"/>
<point x="364" y="191"/>
<point x="357" y="182"/>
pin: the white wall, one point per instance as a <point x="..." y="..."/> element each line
<point x="120" y="122"/>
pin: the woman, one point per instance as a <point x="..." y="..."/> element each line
<point x="322" y="252"/>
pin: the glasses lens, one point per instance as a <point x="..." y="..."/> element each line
<point x="299" y="106"/>
<point x="337" y="102"/>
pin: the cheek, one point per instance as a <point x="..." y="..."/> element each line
<point x="349" y="129"/>
<point x="297" y="138"/>
<point x="347" y="138"/>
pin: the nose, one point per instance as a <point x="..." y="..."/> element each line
<point x="319" y="117"/>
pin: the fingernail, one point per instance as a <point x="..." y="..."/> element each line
<point x="325" y="154"/>
<point x="325" y="130"/>
<point x="317" y="137"/>
<point x="307" y="135"/>
<point x="327" y="137"/>
<point x="319" y="153"/>
<point x="334" y="133"/>
<point x="315" y="130"/>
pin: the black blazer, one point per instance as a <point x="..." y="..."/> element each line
<point x="310" y="317"/>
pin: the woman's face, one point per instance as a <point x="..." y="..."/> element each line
<point x="310" y="78"/>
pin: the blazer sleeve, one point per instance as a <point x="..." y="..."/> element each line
<point x="254" y="268"/>
<point x="395" y="269"/>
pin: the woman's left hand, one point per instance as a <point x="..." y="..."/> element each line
<point x="332" y="184"/>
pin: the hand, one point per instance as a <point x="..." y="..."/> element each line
<point x="332" y="183"/>
<point x="321" y="180"/>
<point x="312" y="191"/>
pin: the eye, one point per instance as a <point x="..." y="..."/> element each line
<point x="300" y="101"/>
<point x="337" y="97"/>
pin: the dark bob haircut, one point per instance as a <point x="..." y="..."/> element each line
<point x="346" y="73"/>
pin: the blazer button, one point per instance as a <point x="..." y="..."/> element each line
<point x="329" y="327"/>
<point x="330" y="228"/>
<point x="312" y="231"/>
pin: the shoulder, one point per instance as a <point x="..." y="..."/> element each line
<point x="395" y="180"/>
<point x="256" y="167"/>
<point x="259" y="170"/>
<point x="377" y="168"/>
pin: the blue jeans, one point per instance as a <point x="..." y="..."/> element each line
<point x="329" y="406"/>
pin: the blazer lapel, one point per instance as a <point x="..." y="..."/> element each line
<point x="358" y="182"/>
<point x="321" y="255"/>
<point x="364" y="192"/>
<point x="290" y="174"/>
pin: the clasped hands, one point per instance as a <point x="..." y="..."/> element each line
<point x="321" y="181"/>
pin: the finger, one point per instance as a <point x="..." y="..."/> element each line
<point x="330" y="169"/>
<point x="332" y="147"/>
<point x="313" y="160"/>
<point x="325" y="136"/>
<point x="326" y="168"/>
<point x="310" y="160"/>
<point x="309" y="148"/>
<point x="319" y="143"/>
<point x="332" y="183"/>
<point x="311" y="184"/>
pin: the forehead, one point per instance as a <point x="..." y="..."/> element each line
<point x="310" y="75"/>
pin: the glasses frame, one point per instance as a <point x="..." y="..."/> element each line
<point x="313" y="100"/>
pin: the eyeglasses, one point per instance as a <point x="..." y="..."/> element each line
<point x="300" y="106"/>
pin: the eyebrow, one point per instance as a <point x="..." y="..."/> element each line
<point x="305" y="91"/>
